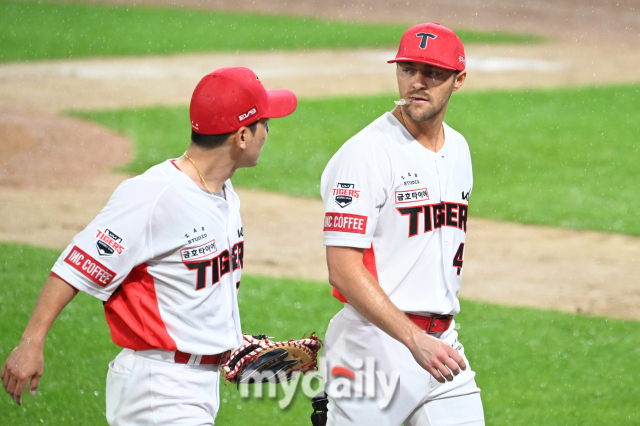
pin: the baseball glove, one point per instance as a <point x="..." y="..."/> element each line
<point x="261" y="360"/>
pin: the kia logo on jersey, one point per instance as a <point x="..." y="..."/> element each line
<point x="344" y="194"/>
<point x="108" y="243"/>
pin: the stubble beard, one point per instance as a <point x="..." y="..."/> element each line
<point x="419" y="115"/>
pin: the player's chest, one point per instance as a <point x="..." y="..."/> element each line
<point x="425" y="177"/>
<point x="201" y="247"/>
<point x="427" y="193"/>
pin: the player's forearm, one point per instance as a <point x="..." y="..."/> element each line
<point x="348" y="274"/>
<point x="54" y="296"/>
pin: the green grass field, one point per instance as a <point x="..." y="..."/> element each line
<point x="534" y="367"/>
<point x="567" y="157"/>
<point x="41" y="30"/>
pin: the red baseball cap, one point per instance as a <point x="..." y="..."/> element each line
<point x="432" y="44"/>
<point x="232" y="97"/>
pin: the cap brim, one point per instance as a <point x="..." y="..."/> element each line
<point x="423" y="61"/>
<point x="281" y="103"/>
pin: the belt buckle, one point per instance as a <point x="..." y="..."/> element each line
<point x="433" y="320"/>
<point x="224" y="357"/>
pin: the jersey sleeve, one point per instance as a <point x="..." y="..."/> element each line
<point x="353" y="193"/>
<point x="101" y="256"/>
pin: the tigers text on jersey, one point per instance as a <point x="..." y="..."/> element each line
<point x="166" y="258"/>
<point x="407" y="206"/>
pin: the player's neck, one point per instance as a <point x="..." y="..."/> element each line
<point x="429" y="134"/>
<point x="214" y="165"/>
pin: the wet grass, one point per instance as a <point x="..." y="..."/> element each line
<point x="42" y="30"/>
<point x="534" y="367"/>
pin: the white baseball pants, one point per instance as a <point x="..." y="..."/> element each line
<point x="417" y="399"/>
<point x="143" y="391"/>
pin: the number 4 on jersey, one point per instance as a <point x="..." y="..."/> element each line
<point x="457" y="259"/>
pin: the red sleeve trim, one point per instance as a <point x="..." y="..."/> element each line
<point x="175" y="165"/>
<point x="53" y="274"/>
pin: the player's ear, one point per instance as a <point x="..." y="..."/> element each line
<point x="241" y="138"/>
<point x="462" y="75"/>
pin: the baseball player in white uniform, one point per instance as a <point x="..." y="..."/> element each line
<point x="166" y="256"/>
<point x="396" y="198"/>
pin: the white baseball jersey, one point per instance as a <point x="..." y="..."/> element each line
<point x="166" y="258"/>
<point x="407" y="206"/>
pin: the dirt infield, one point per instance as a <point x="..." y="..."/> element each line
<point x="53" y="86"/>
<point x="56" y="171"/>
<point x="506" y="263"/>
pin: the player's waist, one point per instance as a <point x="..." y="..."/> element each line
<point x="179" y="357"/>
<point x="431" y="323"/>
<point x="434" y="324"/>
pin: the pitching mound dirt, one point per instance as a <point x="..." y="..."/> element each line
<point x="40" y="150"/>
<point x="55" y="175"/>
<point x="101" y="83"/>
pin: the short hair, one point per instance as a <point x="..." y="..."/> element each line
<point x="212" y="141"/>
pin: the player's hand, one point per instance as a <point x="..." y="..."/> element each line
<point x="439" y="359"/>
<point x="25" y="364"/>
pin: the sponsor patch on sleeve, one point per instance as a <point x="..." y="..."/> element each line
<point x="108" y="243"/>
<point x="89" y="267"/>
<point x="412" y="195"/>
<point x="345" y="193"/>
<point x="200" y="252"/>
<point x="344" y="222"/>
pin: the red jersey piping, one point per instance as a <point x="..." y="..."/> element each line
<point x="369" y="262"/>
